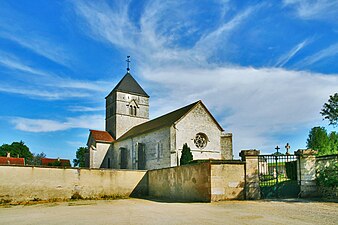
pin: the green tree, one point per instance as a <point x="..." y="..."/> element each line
<point x="186" y="156"/>
<point x="333" y="141"/>
<point x="80" y="157"/>
<point x="36" y="159"/>
<point x="16" y="149"/>
<point x="319" y="140"/>
<point x="330" y="110"/>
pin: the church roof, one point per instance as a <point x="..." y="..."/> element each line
<point x="101" y="136"/>
<point x="163" y="121"/>
<point x="129" y="85"/>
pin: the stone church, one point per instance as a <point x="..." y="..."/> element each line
<point x="132" y="141"/>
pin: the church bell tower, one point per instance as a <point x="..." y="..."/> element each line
<point x="127" y="105"/>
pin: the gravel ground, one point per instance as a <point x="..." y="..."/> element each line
<point x="140" y="211"/>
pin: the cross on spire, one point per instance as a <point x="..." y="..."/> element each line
<point x="128" y="63"/>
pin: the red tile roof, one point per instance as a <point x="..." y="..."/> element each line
<point x="100" y="135"/>
<point x="50" y="162"/>
<point x="12" y="161"/>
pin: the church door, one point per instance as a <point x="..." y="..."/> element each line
<point x="141" y="162"/>
<point x="124" y="162"/>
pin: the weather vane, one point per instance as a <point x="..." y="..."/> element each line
<point x="128" y="63"/>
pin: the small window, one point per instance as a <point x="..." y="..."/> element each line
<point x="159" y="151"/>
<point x="134" y="110"/>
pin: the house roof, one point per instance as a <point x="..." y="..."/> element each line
<point x="48" y="161"/>
<point x="101" y="136"/>
<point x="12" y="161"/>
<point x="165" y="120"/>
<point x="129" y="85"/>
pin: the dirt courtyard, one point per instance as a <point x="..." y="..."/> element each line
<point x="139" y="211"/>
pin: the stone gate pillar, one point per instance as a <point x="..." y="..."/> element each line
<point x="306" y="172"/>
<point x="252" y="189"/>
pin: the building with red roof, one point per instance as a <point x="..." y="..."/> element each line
<point x="12" y="161"/>
<point x="55" y="162"/>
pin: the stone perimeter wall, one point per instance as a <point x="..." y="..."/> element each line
<point x="20" y="184"/>
<point x="203" y="182"/>
<point x="321" y="163"/>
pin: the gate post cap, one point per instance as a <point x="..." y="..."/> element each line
<point x="308" y="151"/>
<point x="250" y="152"/>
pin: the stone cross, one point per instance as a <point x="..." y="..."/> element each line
<point x="277" y="148"/>
<point x="287" y="147"/>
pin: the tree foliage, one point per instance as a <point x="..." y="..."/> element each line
<point x="186" y="156"/>
<point x="330" y="110"/>
<point x="16" y="149"/>
<point x="36" y="159"/>
<point x="323" y="142"/>
<point x="80" y="157"/>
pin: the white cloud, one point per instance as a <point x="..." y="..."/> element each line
<point x="45" y="84"/>
<point x="315" y="9"/>
<point x="286" y="58"/>
<point x="22" y="30"/>
<point x="255" y="103"/>
<point x="44" y="125"/>
<point x="330" y="51"/>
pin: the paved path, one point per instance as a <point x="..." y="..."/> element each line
<point x="138" y="211"/>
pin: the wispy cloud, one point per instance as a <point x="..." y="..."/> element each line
<point x="286" y="57"/>
<point x="22" y="30"/>
<point x="330" y="51"/>
<point x="44" y="125"/>
<point x="254" y="103"/>
<point x="85" y="109"/>
<point x="315" y="9"/>
<point x="45" y="84"/>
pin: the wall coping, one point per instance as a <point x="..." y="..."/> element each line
<point x="306" y="152"/>
<point x="250" y="152"/>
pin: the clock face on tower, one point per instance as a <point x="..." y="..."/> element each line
<point x="201" y="140"/>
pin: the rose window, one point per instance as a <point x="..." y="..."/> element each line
<point x="201" y="140"/>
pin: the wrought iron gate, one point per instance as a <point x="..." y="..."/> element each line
<point x="278" y="176"/>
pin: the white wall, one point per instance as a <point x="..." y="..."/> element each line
<point x="151" y="140"/>
<point x="198" y="120"/>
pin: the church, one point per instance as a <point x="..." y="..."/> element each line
<point x="132" y="141"/>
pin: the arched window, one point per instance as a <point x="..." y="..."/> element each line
<point x="134" y="110"/>
<point x="201" y="140"/>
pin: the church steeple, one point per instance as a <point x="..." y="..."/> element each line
<point x="127" y="105"/>
<point x="129" y="85"/>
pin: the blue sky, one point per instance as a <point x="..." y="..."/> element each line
<point x="263" y="68"/>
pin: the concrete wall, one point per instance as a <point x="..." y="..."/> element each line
<point x="199" y="121"/>
<point x="182" y="183"/>
<point x="203" y="182"/>
<point x="34" y="183"/>
<point x="227" y="181"/>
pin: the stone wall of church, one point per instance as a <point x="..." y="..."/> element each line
<point x="98" y="152"/>
<point x="119" y="117"/>
<point x="199" y="121"/>
<point x="157" y="149"/>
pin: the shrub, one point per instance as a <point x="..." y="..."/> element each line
<point x="328" y="176"/>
